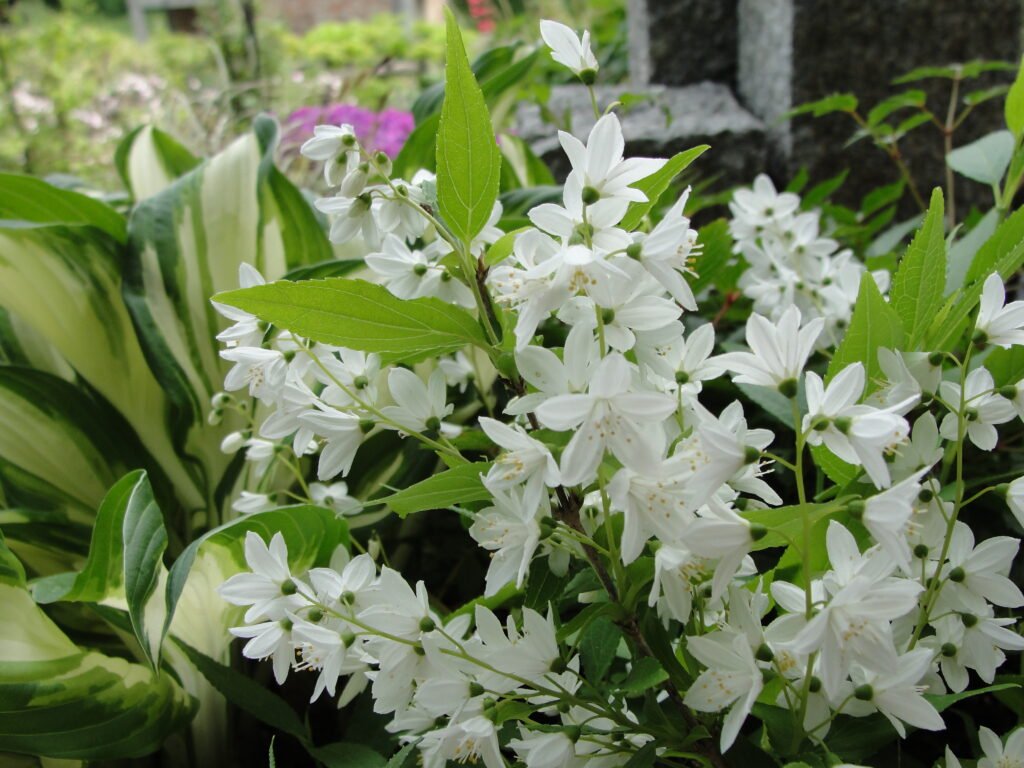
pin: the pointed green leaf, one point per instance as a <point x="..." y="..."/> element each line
<point x="984" y="160"/>
<point x="361" y="315"/>
<point x="1014" y="109"/>
<point x="458" y="485"/>
<point x="468" y="158"/>
<point x="874" y="325"/>
<point x="654" y="186"/>
<point x="32" y="200"/>
<point x="149" y="160"/>
<point x="920" y="280"/>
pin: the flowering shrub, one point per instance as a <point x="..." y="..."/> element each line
<point x="704" y="606"/>
<point x="741" y="496"/>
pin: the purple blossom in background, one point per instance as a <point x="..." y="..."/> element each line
<point x="386" y="130"/>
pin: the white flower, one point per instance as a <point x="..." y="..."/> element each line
<point x="263" y="371"/>
<point x="778" y="352"/>
<point x="996" y="754"/>
<point x="249" y="503"/>
<point x="609" y="416"/>
<point x="334" y="496"/>
<point x="544" y="750"/>
<point x="463" y="741"/>
<point x="269" y="639"/>
<point x="683" y="361"/>
<point x="723" y="535"/>
<point x="665" y="252"/>
<point x="854" y="624"/>
<point x="543" y="370"/>
<point x="998" y="324"/>
<point x="268" y="590"/>
<point x="419" y="406"/>
<point x="407" y="273"/>
<point x="731" y="679"/>
<point x="510" y="530"/>
<point x="858" y="434"/>
<point x="336" y="147"/>
<point x="529" y="653"/>
<point x="897" y="695"/>
<point x="983" y="407"/>
<point x="1015" y="499"/>
<point x="599" y="168"/>
<point x="569" y="50"/>
<point x="343" y="434"/>
<point x="981" y="573"/>
<point x="761" y="209"/>
<point x="887" y="516"/>
<point x="524" y="461"/>
<point x="352" y="216"/>
<point x="247" y="330"/>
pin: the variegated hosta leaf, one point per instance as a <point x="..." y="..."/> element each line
<point x="64" y="283"/>
<point x="63" y="701"/>
<point x="125" y="563"/>
<point x="185" y="245"/>
<point x="149" y="161"/>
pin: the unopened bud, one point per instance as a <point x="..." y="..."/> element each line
<point x="232" y="442"/>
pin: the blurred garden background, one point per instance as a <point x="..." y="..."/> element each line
<point x="79" y="75"/>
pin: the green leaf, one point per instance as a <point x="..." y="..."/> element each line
<point x="1006" y="365"/>
<point x="920" y="280"/>
<point x="874" y="325"/>
<point x="61" y="701"/>
<point x="883" y="109"/>
<point x="1014" y="108"/>
<point x="399" y="759"/>
<point x="502" y="247"/>
<point x="836" y="102"/>
<point x="963" y="251"/>
<point x="345" y="754"/>
<point x="1008" y="235"/>
<point x="32" y="200"/>
<point x="598" y="644"/>
<point x="468" y="158"/>
<point x="149" y="160"/>
<point x="458" y="485"/>
<point x="361" y="315"/>
<point x="247" y="694"/>
<point x="984" y="160"/>
<point x="644" y="757"/>
<point x="185" y="245"/>
<point x="786" y="523"/>
<point x="125" y="560"/>
<point x="945" y="701"/>
<point x="646" y="673"/>
<point x="715" y="254"/>
<point x="654" y="186"/>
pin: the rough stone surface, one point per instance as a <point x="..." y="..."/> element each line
<point x="795" y="51"/>
<point x="671" y="120"/>
<point x="679" y="42"/>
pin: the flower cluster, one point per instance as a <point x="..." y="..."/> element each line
<point x="791" y="261"/>
<point x="612" y="457"/>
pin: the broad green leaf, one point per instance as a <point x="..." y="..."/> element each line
<point x="502" y="248"/>
<point x="786" y="523"/>
<point x="945" y="701"/>
<point x="963" y="251"/>
<point x="59" y="447"/>
<point x="400" y="757"/>
<point x="646" y="673"/>
<point x="64" y="282"/>
<point x="984" y="160"/>
<point x="32" y="200"/>
<point x="125" y="563"/>
<point x="185" y="245"/>
<point x="248" y="695"/>
<point x="345" y="754"/>
<point x="920" y="280"/>
<point x="361" y="315"/>
<point x="149" y="160"/>
<point x="874" y="325"/>
<point x="61" y="701"/>
<point x="468" y="158"/>
<point x="598" y="645"/>
<point x="654" y="186"/>
<point x="1006" y="365"/>
<point x="458" y="485"/>
<point x="1014" y="108"/>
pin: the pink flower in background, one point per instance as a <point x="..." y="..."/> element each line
<point x="386" y="130"/>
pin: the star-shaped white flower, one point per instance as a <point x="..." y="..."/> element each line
<point x="568" y="50"/>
